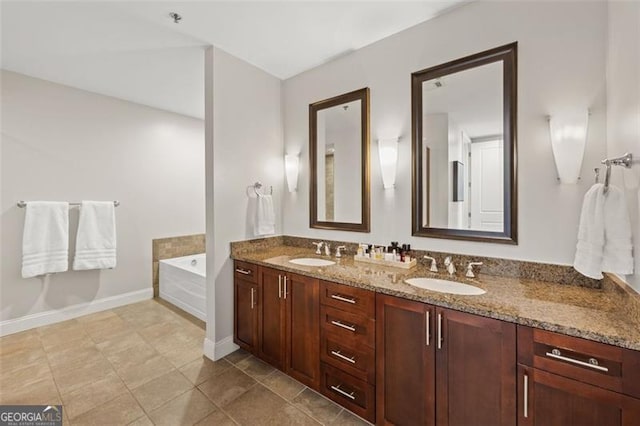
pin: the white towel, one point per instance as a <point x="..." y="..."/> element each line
<point x="590" y="247"/>
<point x="45" y="241"/>
<point x="618" y="249"/>
<point x="265" y="221"/>
<point x="604" y="235"/>
<point x="96" y="239"/>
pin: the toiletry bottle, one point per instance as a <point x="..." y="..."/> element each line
<point x="360" y="252"/>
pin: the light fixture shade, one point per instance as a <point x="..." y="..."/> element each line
<point x="291" y="167"/>
<point x="388" y="153"/>
<point x="568" y="140"/>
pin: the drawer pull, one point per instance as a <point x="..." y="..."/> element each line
<point x="593" y="363"/>
<point x="352" y="360"/>
<point x="343" y="299"/>
<point x="343" y="393"/>
<point x="345" y="326"/>
<point x="244" y="271"/>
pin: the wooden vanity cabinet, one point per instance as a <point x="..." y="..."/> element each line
<point x="289" y="324"/>
<point x="439" y="366"/>
<point x="564" y="380"/>
<point x="245" y="323"/>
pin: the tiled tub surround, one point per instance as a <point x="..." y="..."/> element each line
<point x="167" y="248"/>
<point x="606" y="312"/>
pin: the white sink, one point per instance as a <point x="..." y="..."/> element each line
<point x="445" y="286"/>
<point x="312" y="261"/>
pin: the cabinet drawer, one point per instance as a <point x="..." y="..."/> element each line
<point x="603" y="365"/>
<point x="359" y="361"/>
<point x="354" y="394"/>
<point x="354" y="329"/>
<point x="245" y="271"/>
<point x="351" y="299"/>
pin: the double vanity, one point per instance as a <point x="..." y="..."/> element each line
<point x="518" y="351"/>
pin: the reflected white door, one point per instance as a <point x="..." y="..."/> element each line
<point x="487" y="183"/>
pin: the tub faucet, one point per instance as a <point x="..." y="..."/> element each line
<point x="318" y="247"/>
<point x="448" y="263"/>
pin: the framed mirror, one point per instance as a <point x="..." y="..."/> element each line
<point x="464" y="148"/>
<point x="339" y="162"/>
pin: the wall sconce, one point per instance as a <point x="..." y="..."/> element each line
<point x="568" y="140"/>
<point x="292" y="167"/>
<point x="388" y="153"/>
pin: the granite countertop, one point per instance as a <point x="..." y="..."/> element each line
<point x="603" y="315"/>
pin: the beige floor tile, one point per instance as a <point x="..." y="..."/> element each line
<point x="119" y="411"/>
<point x="120" y="343"/>
<point x="255" y="368"/>
<point x="94" y="394"/>
<point x="70" y="377"/>
<point x="225" y="387"/>
<point x="237" y="356"/>
<point x="283" y="385"/>
<point x="13" y="380"/>
<point x="255" y="406"/>
<point x="142" y="421"/>
<point x="98" y="316"/>
<point x="347" y="418"/>
<point x="156" y="392"/>
<point x="203" y="368"/>
<point x="184" y="410"/>
<point x="133" y="355"/>
<point x="185" y="354"/>
<point x="217" y="418"/>
<point x="22" y="359"/>
<point x="317" y="406"/>
<point x="62" y="334"/>
<point x="81" y="351"/>
<point x="168" y="337"/>
<point x="136" y="375"/>
<point x="106" y="328"/>
<point x="19" y="342"/>
<point x="43" y="392"/>
<point x="290" y="416"/>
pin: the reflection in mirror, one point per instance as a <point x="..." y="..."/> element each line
<point x="464" y="148"/>
<point x="338" y="142"/>
<point x="339" y="148"/>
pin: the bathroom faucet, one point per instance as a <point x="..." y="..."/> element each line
<point x="327" y="249"/>
<point x="434" y="265"/>
<point x="318" y="247"/>
<point x="338" y="254"/>
<point x="448" y="263"/>
<point x="470" y="266"/>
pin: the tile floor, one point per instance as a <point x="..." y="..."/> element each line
<point x="142" y="364"/>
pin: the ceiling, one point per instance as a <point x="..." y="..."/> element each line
<point x="132" y="50"/>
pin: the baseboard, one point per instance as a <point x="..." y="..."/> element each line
<point x="218" y="350"/>
<point x="58" y="315"/>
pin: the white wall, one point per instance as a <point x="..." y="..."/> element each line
<point x="559" y="64"/>
<point x="247" y="147"/>
<point x="60" y="143"/>
<point x="623" y="108"/>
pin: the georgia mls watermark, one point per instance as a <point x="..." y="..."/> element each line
<point x="30" y="415"/>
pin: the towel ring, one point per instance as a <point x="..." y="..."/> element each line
<point x="256" y="189"/>
<point x="624" y="161"/>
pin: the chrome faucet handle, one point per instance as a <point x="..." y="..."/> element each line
<point x="470" y="266"/>
<point x="434" y="266"/>
<point x="327" y="249"/>
<point x="451" y="268"/>
<point x="318" y="246"/>
<point x="338" y="254"/>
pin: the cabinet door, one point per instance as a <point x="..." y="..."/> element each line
<point x="302" y="296"/>
<point x="552" y="400"/>
<point x="476" y="370"/>
<point x="271" y="317"/>
<point x="405" y="371"/>
<point x="246" y="316"/>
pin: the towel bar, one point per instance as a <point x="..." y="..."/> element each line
<point x="23" y="204"/>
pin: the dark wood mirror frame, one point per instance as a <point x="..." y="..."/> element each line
<point x="364" y="225"/>
<point x="508" y="55"/>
